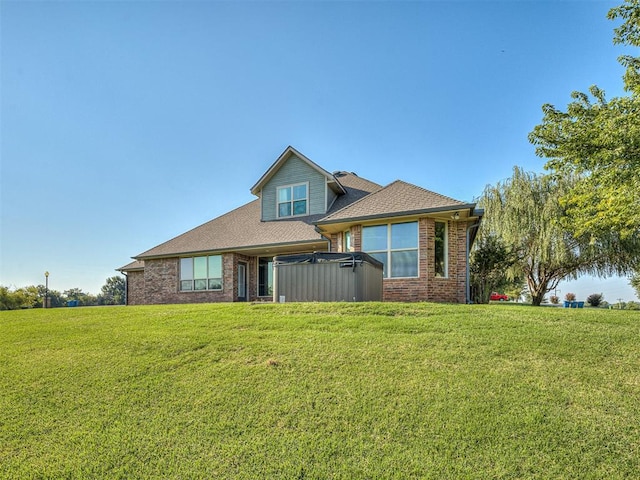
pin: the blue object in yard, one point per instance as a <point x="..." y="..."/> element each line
<point x="567" y="304"/>
<point x="72" y="303"/>
<point x="580" y="304"/>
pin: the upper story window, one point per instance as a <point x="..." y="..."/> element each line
<point x="395" y="245"/>
<point x="293" y="200"/>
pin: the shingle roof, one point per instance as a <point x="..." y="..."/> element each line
<point x="356" y="188"/>
<point x="238" y="229"/>
<point x="135" y="265"/>
<point x="397" y="198"/>
<point x="243" y="228"/>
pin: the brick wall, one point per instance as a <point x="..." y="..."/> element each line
<point x="135" y="288"/>
<point x="453" y="288"/>
<point x="427" y="286"/>
<point x="161" y="283"/>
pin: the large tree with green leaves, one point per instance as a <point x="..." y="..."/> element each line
<point x="598" y="142"/>
<point x="524" y="213"/>
<point x="634" y="281"/>
<point x="113" y="291"/>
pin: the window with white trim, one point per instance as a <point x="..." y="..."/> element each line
<point x="201" y="273"/>
<point x="395" y="245"/>
<point x="441" y="249"/>
<point x="293" y="200"/>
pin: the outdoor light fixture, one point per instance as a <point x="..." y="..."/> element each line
<point x="456" y="216"/>
<point x="46" y="289"/>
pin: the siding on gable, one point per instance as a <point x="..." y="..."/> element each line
<point x="291" y="172"/>
<point x="331" y="197"/>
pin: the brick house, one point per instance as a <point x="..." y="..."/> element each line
<point x="422" y="238"/>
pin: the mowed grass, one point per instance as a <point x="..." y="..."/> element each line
<point x="324" y="391"/>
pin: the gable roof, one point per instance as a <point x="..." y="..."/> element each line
<point x="288" y="152"/>
<point x="396" y="199"/>
<point x="355" y="188"/>
<point x="241" y="229"/>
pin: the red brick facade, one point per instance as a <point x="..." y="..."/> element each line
<point x="159" y="282"/>
<point x="427" y="286"/>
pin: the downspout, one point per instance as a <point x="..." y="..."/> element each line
<point x="468" y="283"/>
<point x="317" y="229"/>
<point x="126" y="287"/>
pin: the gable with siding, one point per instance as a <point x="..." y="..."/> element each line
<point x="295" y="171"/>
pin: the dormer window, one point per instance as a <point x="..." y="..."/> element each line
<point x="293" y="200"/>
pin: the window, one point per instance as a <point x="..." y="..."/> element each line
<point x="395" y="245"/>
<point x="441" y="249"/>
<point x="292" y="200"/>
<point x="265" y="277"/>
<point x="201" y="273"/>
<point x="346" y="244"/>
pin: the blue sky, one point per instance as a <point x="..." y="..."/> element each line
<point x="124" y="124"/>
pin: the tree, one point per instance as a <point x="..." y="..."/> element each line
<point x="524" y="212"/>
<point x="8" y="300"/>
<point x="634" y="281"/>
<point x="488" y="264"/>
<point x="83" y="298"/>
<point x="598" y="141"/>
<point x="595" y="299"/>
<point x="113" y="291"/>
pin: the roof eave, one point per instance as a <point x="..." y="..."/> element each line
<point x="408" y="213"/>
<point x="264" y="246"/>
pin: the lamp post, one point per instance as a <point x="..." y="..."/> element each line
<point x="46" y="289"/>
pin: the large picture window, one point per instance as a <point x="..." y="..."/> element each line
<point x="292" y="200"/>
<point x="441" y="249"/>
<point x="395" y="245"/>
<point x="201" y="273"/>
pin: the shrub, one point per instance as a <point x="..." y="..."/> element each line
<point x="555" y="299"/>
<point x="570" y="297"/>
<point x="595" y="299"/>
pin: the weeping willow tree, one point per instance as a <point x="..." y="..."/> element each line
<point x="526" y="214"/>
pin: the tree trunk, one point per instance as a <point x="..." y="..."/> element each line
<point x="537" y="291"/>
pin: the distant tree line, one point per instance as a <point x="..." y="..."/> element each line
<point x="33" y="296"/>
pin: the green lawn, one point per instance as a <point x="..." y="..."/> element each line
<point x="320" y="391"/>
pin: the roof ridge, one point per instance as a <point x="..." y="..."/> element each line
<point x="430" y="191"/>
<point x="368" y="195"/>
<point x="385" y="191"/>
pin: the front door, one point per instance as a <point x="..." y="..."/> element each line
<point x="242" y="282"/>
